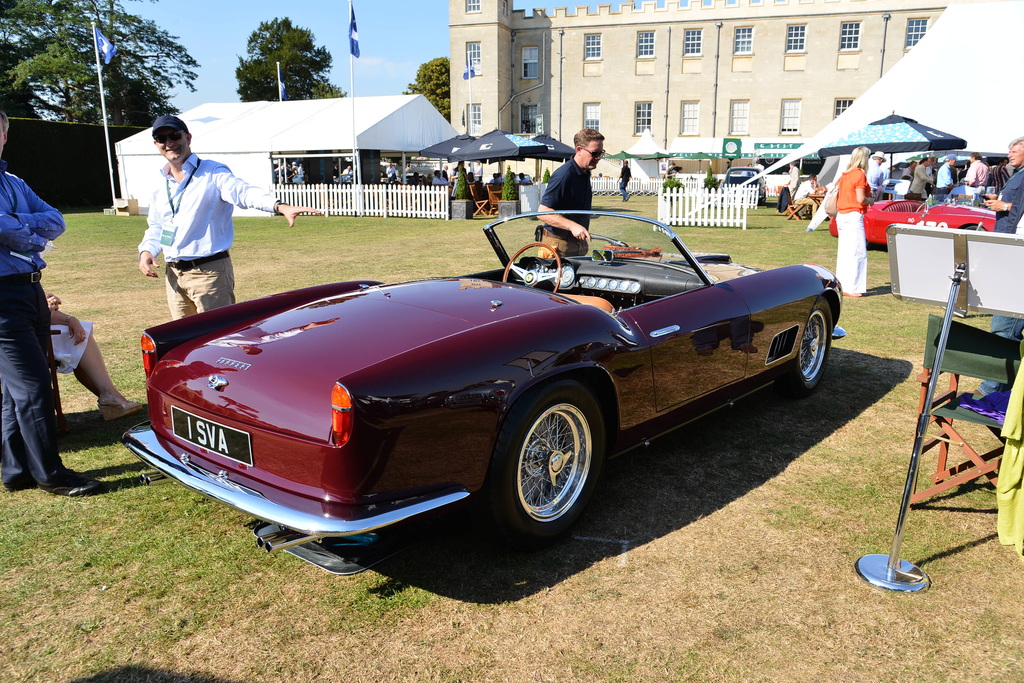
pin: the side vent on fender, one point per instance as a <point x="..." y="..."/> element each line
<point x="782" y="344"/>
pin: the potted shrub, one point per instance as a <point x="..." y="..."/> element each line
<point x="462" y="205"/>
<point x="710" y="181"/>
<point x="508" y="205"/>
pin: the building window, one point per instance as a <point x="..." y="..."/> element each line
<point x="739" y="117"/>
<point x="689" y="119"/>
<point x="645" y="44"/>
<point x="644" y="117"/>
<point x="849" y="35"/>
<point x="592" y="115"/>
<point x="841" y="106"/>
<point x="472" y="5"/>
<point x="528" y="118"/>
<point x="504" y="7"/>
<point x="743" y="41"/>
<point x="796" y="38"/>
<point x="475" y="120"/>
<point x="692" y="39"/>
<point x="592" y="46"/>
<point x="916" y="28"/>
<point x="790" y="118"/>
<point x="473" y="57"/>
<point x="530" y="62"/>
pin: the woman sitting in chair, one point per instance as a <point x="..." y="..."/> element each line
<point x="75" y="350"/>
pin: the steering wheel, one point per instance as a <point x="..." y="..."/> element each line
<point x="533" y="277"/>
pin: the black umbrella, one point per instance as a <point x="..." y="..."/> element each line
<point x="498" y="145"/>
<point x="894" y="134"/>
<point x="557" y="151"/>
<point x="445" y="150"/>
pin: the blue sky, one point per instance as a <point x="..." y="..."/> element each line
<point x="395" y="37"/>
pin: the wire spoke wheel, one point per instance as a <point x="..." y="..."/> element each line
<point x="813" y="346"/>
<point x="554" y="462"/>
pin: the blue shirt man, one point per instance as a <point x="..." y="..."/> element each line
<point x="944" y="178"/>
<point x="27" y="420"/>
<point x="569" y="188"/>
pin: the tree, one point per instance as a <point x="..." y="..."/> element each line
<point x="51" y="47"/>
<point x="304" y="67"/>
<point x="433" y="82"/>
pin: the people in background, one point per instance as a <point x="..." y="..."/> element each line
<point x="977" y="175"/>
<point x="438" y="179"/>
<point x="944" y="178"/>
<point x="190" y="222"/>
<point x="802" y="198"/>
<point x="876" y="173"/>
<point x="624" y="177"/>
<point x="524" y="179"/>
<point x="922" y="180"/>
<point x="852" y="200"/>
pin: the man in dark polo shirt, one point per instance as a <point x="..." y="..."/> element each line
<point x="569" y="188"/>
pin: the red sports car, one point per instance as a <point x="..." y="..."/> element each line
<point x="881" y="215"/>
<point x="335" y="412"/>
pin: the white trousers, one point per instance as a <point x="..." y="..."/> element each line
<point x="852" y="254"/>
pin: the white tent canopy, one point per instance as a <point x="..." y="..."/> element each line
<point x="646" y="146"/>
<point x="247" y="135"/>
<point x="968" y="98"/>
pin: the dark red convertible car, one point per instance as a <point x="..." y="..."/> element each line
<point x="881" y="215"/>
<point x="342" y="410"/>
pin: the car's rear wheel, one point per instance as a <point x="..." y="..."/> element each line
<point x="804" y="375"/>
<point x="970" y="226"/>
<point x="545" y="464"/>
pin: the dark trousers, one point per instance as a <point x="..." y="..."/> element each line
<point x="27" y="421"/>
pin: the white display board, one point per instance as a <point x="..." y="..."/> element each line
<point x="922" y="260"/>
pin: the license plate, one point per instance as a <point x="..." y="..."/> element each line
<point x="231" y="443"/>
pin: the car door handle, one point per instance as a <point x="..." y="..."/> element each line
<point x="665" y="330"/>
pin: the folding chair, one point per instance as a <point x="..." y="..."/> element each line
<point x="794" y="210"/>
<point x="970" y="352"/>
<point x="62" y="422"/>
<point x="494" y="195"/>
<point x="480" y="200"/>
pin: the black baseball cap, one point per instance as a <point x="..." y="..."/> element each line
<point x="169" y="121"/>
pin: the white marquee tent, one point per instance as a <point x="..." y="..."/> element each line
<point x="646" y="146"/>
<point x="970" y="94"/>
<point x="248" y="135"/>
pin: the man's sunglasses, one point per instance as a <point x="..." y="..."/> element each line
<point x="164" y="137"/>
<point x="596" y="155"/>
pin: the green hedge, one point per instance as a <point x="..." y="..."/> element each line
<point x="64" y="162"/>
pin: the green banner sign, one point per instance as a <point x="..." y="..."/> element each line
<point x="731" y="148"/>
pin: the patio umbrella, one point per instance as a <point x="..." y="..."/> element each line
<point x="894" y="134"/>
<point x="498" y="145"/>
<point x="557" y="151"/>
<point x="445" y="150"/>
<point x="620" y="156"/>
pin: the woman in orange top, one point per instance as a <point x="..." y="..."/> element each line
<point x="852" y="200"/>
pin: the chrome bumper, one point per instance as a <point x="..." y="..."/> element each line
<point x="142" y="441"/>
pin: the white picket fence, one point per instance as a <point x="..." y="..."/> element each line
<point x="638" y="186"/>
<point x="725" y="207"/>
<point x="401" y="201"/>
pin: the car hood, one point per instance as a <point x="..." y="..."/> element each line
<point x="302" y="351"/>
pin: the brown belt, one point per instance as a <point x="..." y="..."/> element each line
<point x="184" y="265"/>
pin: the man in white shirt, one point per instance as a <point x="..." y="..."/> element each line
<point x="802" y="196"/>
<point x="876" y="173"/>
<point x="190" y="222"/>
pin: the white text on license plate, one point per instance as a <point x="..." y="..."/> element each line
<point x="231" y="443"/>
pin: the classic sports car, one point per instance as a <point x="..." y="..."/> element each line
<point x="343" y="409"/>
<point x="881" y="215"/>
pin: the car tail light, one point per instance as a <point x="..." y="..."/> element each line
<point x="341" y="414"/>
<point x="148" y="354"/>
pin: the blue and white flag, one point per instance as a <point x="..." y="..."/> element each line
<point x="106" y="47"/>
<point x="468" y="73"/>
<point x="353" y="34"/>
<point x="282" y="94"/>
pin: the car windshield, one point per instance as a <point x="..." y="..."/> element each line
<point x="612" y="235"/>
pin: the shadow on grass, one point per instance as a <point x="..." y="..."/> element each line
<point x="142" y="674"/>
<point x="647" y="494"/>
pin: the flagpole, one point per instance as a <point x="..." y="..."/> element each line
<point x="279" y="82"/>
<point x="103" y="108"/>
<point x="356" y="166"/>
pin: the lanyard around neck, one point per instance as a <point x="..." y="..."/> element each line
<point x="181" y="191"/>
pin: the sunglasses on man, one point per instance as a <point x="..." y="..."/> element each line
<point x="164" y="137"/>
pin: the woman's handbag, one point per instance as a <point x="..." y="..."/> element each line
<point x="831" y="201"/>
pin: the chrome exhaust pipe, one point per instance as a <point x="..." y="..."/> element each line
<point x="153" y="477"/>
<point x="282" y="540"/>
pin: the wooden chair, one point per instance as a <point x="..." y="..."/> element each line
<point x="494" y="195"/>
<point x="970" y="352"/>
<point x="62" y="422"/>
<point x="794" y="210"/>
<point x="480" y="200"/>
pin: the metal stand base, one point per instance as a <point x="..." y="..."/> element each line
<point x="907" y="578"/>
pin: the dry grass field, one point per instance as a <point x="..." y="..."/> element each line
<point x="722" y="552"/>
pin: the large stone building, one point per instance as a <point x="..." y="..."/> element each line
<point x="769" y="72"/>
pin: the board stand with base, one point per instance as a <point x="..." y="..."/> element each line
<point x="889" y="571"/>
